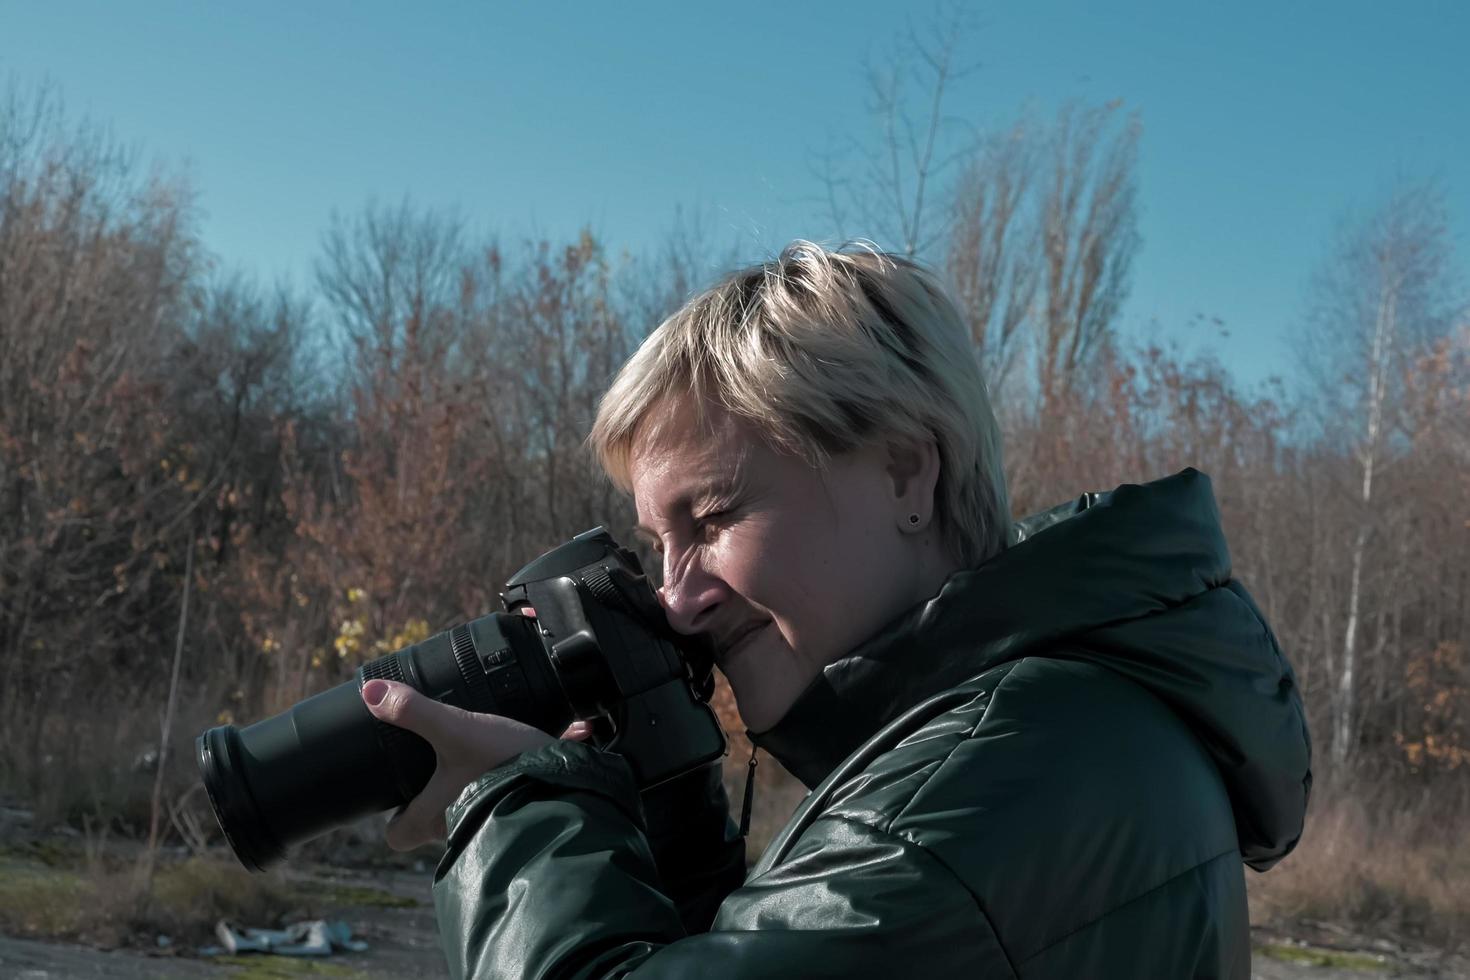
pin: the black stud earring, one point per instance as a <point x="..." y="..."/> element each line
<point x="913" y="520"/>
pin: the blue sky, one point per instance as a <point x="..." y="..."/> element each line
<point x="1262" y="122"/>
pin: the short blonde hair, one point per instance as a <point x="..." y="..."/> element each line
<point x="823" y="352"/>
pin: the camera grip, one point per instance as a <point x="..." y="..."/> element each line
<point x="665" y="732"/>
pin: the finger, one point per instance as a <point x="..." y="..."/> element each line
<point x="404" y="833"/>
<point x="398" y="836"/>
<point x="401" y="705"/>
<point x="422" y="819"/>
<point x="404" y="836"/>
<point x="578" y="731"/>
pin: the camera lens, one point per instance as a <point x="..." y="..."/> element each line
<point x="327" y="761"/>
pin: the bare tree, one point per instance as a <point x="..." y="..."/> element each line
<point x="388" y="268"/>
<point x="902" y="170"/>
<point x="1088" y="235"/>
<point x="95" y="268"/>
<point x="1038" y="223"/>
<point x="1385" y="295"/>
<point x="137" y="406"/>
<point x="992" y="256"/>
<point x="1042" y="243"/>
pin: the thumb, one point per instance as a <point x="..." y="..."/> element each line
<point x="403" y="706"/>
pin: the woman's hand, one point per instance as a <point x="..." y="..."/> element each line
<point x="467" y="745"/>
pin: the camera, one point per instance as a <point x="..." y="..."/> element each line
<point x="598" y="649"/>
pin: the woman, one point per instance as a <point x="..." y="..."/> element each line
<point x="1040" y="751"/>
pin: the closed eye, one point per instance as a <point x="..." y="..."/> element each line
<point x="650" y="539"/>
<point x="716" y="520"/>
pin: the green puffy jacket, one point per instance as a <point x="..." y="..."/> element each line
<point x="1053" y="768"/>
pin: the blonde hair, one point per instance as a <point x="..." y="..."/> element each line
<point x="823" y="352"/>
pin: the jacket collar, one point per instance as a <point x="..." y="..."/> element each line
<point x="1099" y="559"/>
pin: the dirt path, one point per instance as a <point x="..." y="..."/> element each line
<point x="404" y="942"/>
<point x="1330" y="953"/>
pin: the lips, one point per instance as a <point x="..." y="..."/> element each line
<point x="740" y="639"/>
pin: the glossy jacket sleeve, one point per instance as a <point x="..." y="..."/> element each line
<point x="549" y="874"/>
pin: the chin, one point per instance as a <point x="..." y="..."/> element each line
<point x="760" y="710"/>
<point x="766" y="679"/>
<point x="752" y="707"/>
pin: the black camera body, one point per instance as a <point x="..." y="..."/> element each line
<point x="598" y="648"/>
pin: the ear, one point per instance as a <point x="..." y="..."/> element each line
<point x="913" y="469"/>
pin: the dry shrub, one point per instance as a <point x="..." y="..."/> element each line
<point x="1378" y="857"/>
<point x="99" y="762"/>
<point x="104" y="904"/>
<point x="40" y="901"/>
<point x="189" y="897"/>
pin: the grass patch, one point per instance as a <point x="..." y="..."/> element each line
<point x="53" y="852"/>
<point x="51" y="892"/>
<point x="39" y="901"/>
<point x="1315" y="956"/>
<point x="105" y="906"/>
<point x="356" y="896"/>
<point x="265" y="966"/>
<point x="199" y="892"/>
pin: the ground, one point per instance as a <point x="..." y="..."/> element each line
<point x="392" y="909"/>
<point x="402" y="939"/>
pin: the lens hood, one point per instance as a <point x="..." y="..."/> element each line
<point x="234" y="805"/>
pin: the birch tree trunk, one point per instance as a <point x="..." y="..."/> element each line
<point x="1385" y="298"/>
<point x="1344" y="727"/>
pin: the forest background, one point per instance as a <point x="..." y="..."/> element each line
<point x="218" y="497"/>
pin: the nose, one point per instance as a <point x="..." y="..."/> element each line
<point x="690" y="595"/>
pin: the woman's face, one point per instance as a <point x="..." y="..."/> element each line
<point x="786" y="567"/>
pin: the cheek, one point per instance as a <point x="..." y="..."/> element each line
<point x="763" y="559"/>
<point x="766" y="560"/>
<point x="839" y="573"/>
<point x="801" y="571"/>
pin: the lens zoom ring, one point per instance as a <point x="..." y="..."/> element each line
<point x="471" y="671"/>
<point x="384" y="668"/>
<point x="391" y="737"/>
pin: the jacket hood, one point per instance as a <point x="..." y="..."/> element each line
<point x="1136" y="580"/>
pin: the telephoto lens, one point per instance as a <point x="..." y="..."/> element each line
<point x="599" y="648"/>
<point x="327" y="761"/>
